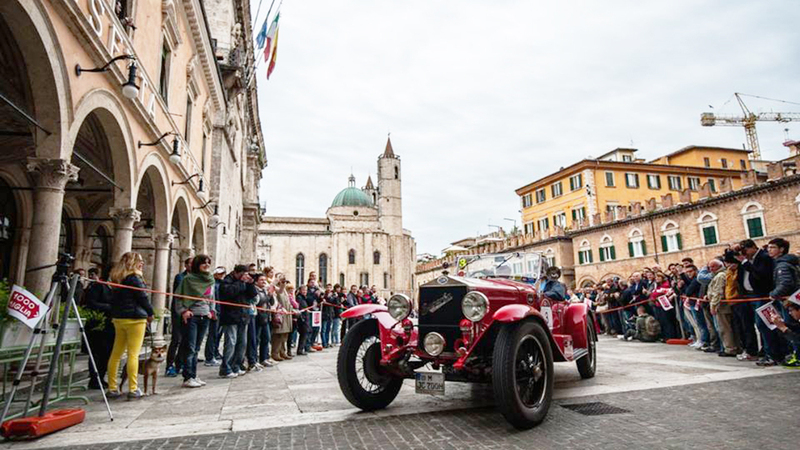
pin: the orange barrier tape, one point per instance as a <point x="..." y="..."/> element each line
<point x="200" y="299"/>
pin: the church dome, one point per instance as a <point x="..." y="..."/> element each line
<point x="351" y="196"/>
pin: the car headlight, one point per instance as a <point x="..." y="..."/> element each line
<point x="434" y="344"/>
<point x="399" y="306"/>
<point x="475" y="306"/>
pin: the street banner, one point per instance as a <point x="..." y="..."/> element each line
<point x="666" y="305"/>
<point x="25" y="306"/>
<point x="316" y="319"/>
<point x="768" y="314"/>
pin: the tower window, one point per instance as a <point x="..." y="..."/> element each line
<point x="376" y="257"/>
<point x="351" y="256"/>
<point x="396" y="173"/>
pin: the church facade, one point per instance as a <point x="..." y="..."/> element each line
<point x="361" y="239"/>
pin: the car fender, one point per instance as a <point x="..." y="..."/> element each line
<point x="574" y="324"/>
<point x="379" y="312"/>
<point x="515" y="313"/>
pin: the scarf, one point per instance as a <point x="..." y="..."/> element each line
<point x="197" y="285"/>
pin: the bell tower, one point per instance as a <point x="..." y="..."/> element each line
<point x="390" y="197"/>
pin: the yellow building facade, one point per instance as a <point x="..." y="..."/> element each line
<point x="575" y="195"/>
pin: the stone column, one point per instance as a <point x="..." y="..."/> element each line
<point x="124" y="219"/>
<point x="50" y="176"/>
<point x="163" y="243"/>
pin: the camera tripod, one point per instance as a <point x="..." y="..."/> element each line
<point x="67" y="286"/>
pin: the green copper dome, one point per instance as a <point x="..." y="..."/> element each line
<point x="351" y="196"/>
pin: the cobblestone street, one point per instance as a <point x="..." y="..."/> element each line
<point x="676" y="398"/>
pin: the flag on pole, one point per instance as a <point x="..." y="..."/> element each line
<point x="274" y="56"/>
<point x="262" y="35"/>
<point x="270" y="38"/>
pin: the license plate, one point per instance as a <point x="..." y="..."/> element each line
<point x="430" y="383"/>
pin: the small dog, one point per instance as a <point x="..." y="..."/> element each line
<point x="148" y="367"/>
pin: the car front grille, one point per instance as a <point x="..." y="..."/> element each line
<point x="440" y="311"/>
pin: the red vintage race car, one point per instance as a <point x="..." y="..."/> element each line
<point x="495" y="321"/>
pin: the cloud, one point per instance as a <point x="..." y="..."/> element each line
<point x="482" y="98"/>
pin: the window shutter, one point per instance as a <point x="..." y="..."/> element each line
<point x="680" y="242"/>
<point x="630" y="249"/>
<point x="591" y="258"/>
<point x="613" y="253"/>
<point x="664" y="244"/>
<point x="580" y="257"/>
<point x="644" y="248"/>
<point x="602" y="254"/>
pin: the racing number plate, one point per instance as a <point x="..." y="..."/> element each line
<point x="430" y="383"/>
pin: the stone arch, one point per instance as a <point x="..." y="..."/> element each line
<point x="199" y="236"/>
<point x="669" y="224"/>
<point x="73" y="210"/>
<point x="181" y="219"/>
<point x="586" y="281"/>
<point x="109" y="113"/>
<point x="707" y="217"/>
<point x="154" y="172"/>
<point x="14" y="229"/>
<point x="49" y="93"/>
<point x="751" y="207"/>
<point x="635" y="232"/>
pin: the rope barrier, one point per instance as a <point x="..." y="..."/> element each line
<point x="684" y="297"/>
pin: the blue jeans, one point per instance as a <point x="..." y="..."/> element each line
<point x="233" y="351"/>
<point x="335" y="330"/>
<point x="212" y="341"/>
<point x="326" y="332"/>
<point x="192" y="334"/>
<point x="700" y="319"/>
<point x="264" y="334"/>
<point x="252" y="342"/>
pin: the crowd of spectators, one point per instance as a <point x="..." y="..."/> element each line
<point x="715" y="305"/>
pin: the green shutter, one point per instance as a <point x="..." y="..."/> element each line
<point x="680" y="241"/>
<point x="664" y="244"/>
<point x="755" y="228"/>
<point x="580" y="257"/>
<point x="602" y="255"/>
<point x="591" y="258"/>
<point x="613" y="253"/>
<point x="630" y="249"/>
<point x="709" y="236"/>
<point x="644" y="248"/>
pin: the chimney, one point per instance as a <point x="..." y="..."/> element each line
<point x="725" y="185"/>
<point x="685" y="196"/>
<point x="793" y="146"/>
<point x="705" y="191"/>
<point x="651" y="205"/>
<point x="636" y="208"/>
<point x="666" y="201"/>
<point x="774" y="171"/>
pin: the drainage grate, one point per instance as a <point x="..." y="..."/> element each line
<point x="595" y="409"/>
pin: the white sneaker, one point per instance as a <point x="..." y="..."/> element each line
<point x="192" y="383"/>
<point x="265" y="363"/>
<point x="620" y="337"/>
<point x="202" y="383"/>
<point x="258" y="367"/>
<point x="742" y="356"/>
<point x="241" y="372"/>
<point x="230" y="375"/>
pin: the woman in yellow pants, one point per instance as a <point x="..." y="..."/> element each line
<point x="130" y="312"/>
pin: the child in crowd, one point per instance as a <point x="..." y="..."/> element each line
<point x="647" y="327"/>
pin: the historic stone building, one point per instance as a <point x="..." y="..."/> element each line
<point x="119" y="119"/>
<point x="360" y="241"/>
<point x="660" y="233"/>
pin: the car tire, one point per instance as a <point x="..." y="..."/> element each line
<point x="373" y="388"/>
<point x="587" y="365"/>
<point x="522" y="352"/>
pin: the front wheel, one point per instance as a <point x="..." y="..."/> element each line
<point x="363" y="381"/>
<point x="522" y="373"/>
<point x="587" y="365"/>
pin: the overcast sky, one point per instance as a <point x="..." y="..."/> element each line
<point x="484" y="97"/>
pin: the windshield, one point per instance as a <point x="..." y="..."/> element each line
<point x="520" y="266"/>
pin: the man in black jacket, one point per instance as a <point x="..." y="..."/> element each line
<point x="756" y="282"/>
<point x="787" y="279"/>
<point x="173" y="359"/>
<point x="237" y="287"/>
<point x="97" y="297"/>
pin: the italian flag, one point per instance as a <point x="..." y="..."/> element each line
<point x="274" y="56"/>
<point x="271" y="35"/>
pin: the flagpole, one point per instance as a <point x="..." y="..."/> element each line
<point x="256" y="58"/>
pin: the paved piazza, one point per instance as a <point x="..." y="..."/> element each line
<point x="676" y="398"/>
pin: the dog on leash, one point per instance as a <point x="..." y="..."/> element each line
<point x="148" y="367"/>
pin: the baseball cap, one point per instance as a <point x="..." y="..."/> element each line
<point x="219" y="270"/>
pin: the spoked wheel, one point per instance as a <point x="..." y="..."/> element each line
<point x="363" y="381"/>
<point x="522" y="374"/>
<point x="587" y="365"/>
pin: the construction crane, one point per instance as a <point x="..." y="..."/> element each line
<point x="748" y="121"/>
